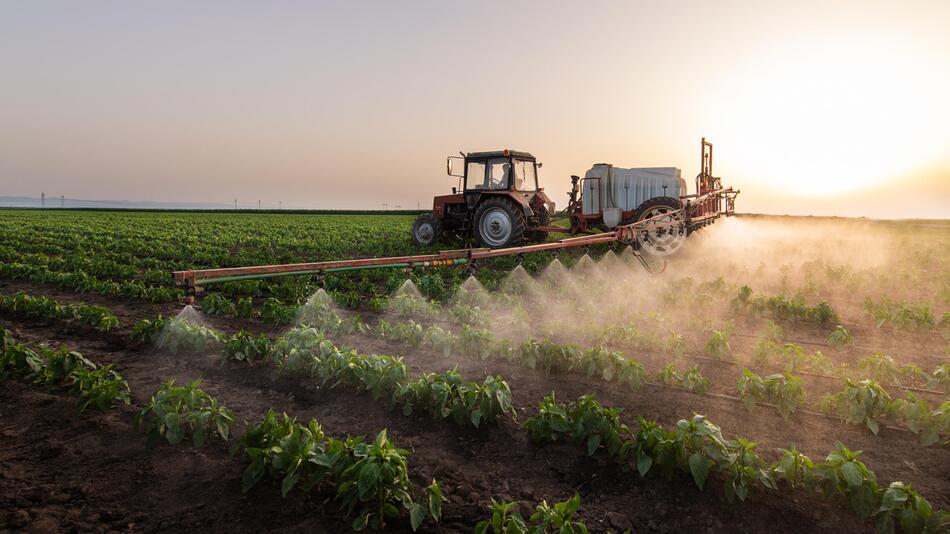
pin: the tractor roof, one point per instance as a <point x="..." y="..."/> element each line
<point x="500" y="154"/>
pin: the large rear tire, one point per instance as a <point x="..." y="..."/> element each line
<point x="426" y="230"/>
<point x="665" y="240"/>
<point x="499" y="223"/>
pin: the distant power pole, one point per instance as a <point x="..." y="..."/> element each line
<point x="235" y="203"/>
<point x="280" y="204"/>
<point x="42" y="200"/>
<point x="62" y="201"/>
<point x="258" y="204"/>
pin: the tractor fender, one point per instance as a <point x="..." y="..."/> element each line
<point x="518" y="198"/>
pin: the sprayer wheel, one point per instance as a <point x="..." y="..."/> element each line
<point x="426" y="230"/>
<point x="664" y="241"/>
<point x="498" y="223"/>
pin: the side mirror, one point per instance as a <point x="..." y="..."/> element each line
<point x="540" y="165"/>
<point x="448" y="166"/>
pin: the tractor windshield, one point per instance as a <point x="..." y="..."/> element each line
<point x="525" y="177"/>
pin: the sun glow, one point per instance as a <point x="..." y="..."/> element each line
<point x="817" y="119"/>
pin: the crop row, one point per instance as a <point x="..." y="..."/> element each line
<point x="861" y="402"/>
<point x="45" y="308"/>
<point x="368" y="480"/>
<point x="95" y="385"/>
<point x="304" y="351"/>
<point x="697" y="448"/>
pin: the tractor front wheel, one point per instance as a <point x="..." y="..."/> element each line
<point x="426" y="230"/>
<point x="499" y="223"/>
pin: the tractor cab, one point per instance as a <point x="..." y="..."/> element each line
<point x="498" y="201"/>
<point x="506" y="170"/>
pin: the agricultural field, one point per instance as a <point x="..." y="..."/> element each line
<point x="782" y="374"/>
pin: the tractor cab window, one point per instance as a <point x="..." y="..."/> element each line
<point x="525" y="177"/>
<point x="499" y="171"/>
<point x="475" y="175"/>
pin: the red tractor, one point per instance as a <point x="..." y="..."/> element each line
<point x="499" y="203"/>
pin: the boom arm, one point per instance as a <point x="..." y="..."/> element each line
<point x="193" y="280"/>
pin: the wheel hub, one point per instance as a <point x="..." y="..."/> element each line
<point x="665" y="235"/>
<point x="424" y="232"/>
<point x="496" y="226"/>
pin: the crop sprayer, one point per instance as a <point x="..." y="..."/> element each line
<point x="498" y="203"/>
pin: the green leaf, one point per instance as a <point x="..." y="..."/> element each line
<point x="417" y="515"/>
<point x="361" y="521"/>
<point x="592" y="443"/>
<point x="911" y="521"/>
<point x="699" y="467"/>
<point x="368" y="478"/>
<point x="644" y="462"/>
<point x="435" y="500"/>
<point x="863" y="501"/>
<point x="288" y="484"/>
<point x="852" y="474"/>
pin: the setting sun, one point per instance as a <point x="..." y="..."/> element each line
<point x="821" y="118"/>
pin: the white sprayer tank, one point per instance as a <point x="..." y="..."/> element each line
<point x="606" y="188"/>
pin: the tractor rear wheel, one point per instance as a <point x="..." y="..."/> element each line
<point x="499" y="223"/>
<point x="426" y="230"/>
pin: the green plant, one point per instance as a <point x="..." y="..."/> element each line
<point x="584" y="420"/>
<point x="691" y="379"/>
<point x="903" y="506"/>
<point x="744" y="469"/>
<point x="276" y="312"/>
<point x="840" y="337"/>
<point x="916" y="415"/>
<point x="100" y="387"/>
<point x="180" y="336"/>
<point x="59" y="365"/>
<point x="174" y="412"/>
<point x="700" y="447"/>
<point x="18" y="360"/>
<point x="215" y="304"/>
<point x="717" y="346"/>
<point x="246" y="347"/>
<point x="410" y="306"/>
<point x="676" y="344"/>
<point x="410" y="333"/>
<point x="862" y="402"/>
<point x="940" y="378"/>
<point x="898" y="314"/>
<point x="795" y="468"/>
<point x="146" y="331"/>
<point x="843" y="474"/>
<point x="374" y="481"/>
<point x="557" y="518"/>
<point x="549" y="356"/>
<point x="244" y="307"/>
<point x="444" y="395"/>
<point x="505" y="519"/>
<point x="782" y="389"/>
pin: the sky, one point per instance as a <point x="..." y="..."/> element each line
<point x="814" y="107"/>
